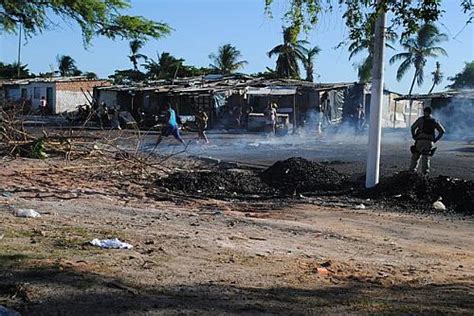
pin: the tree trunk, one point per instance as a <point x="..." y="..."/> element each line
<point x="432" y="87"/>
<point x="411" y="101"/>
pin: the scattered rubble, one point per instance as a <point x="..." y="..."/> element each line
<point x="412" y="191"/>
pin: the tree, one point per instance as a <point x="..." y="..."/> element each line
<point x="226" y="61"/>
<point x="94" y="17"/>
<point x="308" y="63"/>
<point x="366" y="43"/>
<point x="67" y="66"/>
<point x="267" y="74"/>
<point x="135" y="46"/>
<point x="464" y="79"/>
<point x="437" y="76"/>
<point x="289" y="53"/>
<point x="10" y="71"/>
<point x="127" y="76"/>
<point x="418" y="49"/>
<point x="408" y="14"/>
<point x="165" y="67"/>
<point x="90" y="75"/>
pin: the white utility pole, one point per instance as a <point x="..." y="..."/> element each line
<point x="376" y="101"/>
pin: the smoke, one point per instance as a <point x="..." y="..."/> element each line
<point x="457" y="118"/>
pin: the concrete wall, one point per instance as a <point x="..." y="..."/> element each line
<point x="70" y="94"/>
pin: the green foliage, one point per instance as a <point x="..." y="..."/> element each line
<point x="267" y="74"/>
<point x="166" y="66"/>
<point x="10" y="71"/>
<point x="289" y="53"/>
<point x="308" y="61"/>
<point x="366" y="44"/>
<point x="95" y="17"/>
<point x="226" y="61"/>
<point x="417" y="50"/>
<point x="437" y="76"/>
<point x="90" y="75"/>
<point x="410" y="15"/>
<point x="464" y="79"/>
<point x="38" y="150"/>
<point x="127" y="76"/>
<point x="135" y="46"/>
<point x="67" y="66"/>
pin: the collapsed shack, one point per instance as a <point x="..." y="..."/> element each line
<point x="300" y="177"/>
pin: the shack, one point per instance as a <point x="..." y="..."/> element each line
<point x="63" y="94"/>
<point x="229" y="100"/>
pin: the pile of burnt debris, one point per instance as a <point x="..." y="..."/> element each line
<point x="218" y="183"/>
<point x="408" y="190"/>
<point x="298" y="176"/>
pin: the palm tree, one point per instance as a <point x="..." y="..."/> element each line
<point x="308" y="62"/>
<point x="289" y="53"/>
<point x="437" y="76"/>
<point x="135" y="46"/>
<point x="67" y="66"/>
<point x="165" y="67"/>
<point x="364" y="70"/>
<point x="226" y="61"/>
<point x="417" y="50"/>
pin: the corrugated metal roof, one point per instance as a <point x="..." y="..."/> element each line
<point x="47" y="80"/>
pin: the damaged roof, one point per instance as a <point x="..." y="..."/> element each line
<point x="462" y="93"/>
<point x="48" y="80"/>
<point x="218" y="83"/>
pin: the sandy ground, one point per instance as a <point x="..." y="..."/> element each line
<point x="203" y="256"/>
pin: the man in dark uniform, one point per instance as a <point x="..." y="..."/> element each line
<point x="423" y="132"/>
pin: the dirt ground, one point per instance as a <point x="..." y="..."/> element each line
<point x="206" y="256"/>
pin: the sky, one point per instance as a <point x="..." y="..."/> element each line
<point x="201" y="26"/>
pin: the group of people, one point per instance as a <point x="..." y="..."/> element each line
<point x="426" y="131"/>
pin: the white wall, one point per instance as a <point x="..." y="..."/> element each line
<point x="15" y="94"/>
<point x="67" y="101"/>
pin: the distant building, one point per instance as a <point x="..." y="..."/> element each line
<point x="63" y="94"/>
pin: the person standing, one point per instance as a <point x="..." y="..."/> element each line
<point x="201" y="122"/>
<point x="360" y="120"/>
<point x="423" y="132"/>
<point x="43" y="106"/>
<point x="171" y="127"/>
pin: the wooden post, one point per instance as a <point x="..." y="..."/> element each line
<point x="294" y="113"/>
<point x="395" y="114"/>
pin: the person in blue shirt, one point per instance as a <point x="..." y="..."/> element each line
<point x="171" y="128"/>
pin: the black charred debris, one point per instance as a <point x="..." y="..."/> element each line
<point x="297" y="176"/>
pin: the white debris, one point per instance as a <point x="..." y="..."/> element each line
<point x="439" y="206"/>
<point x="360" y="207"/>
<point x="110" y="244"/>
<point x="26" y="212"/>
